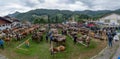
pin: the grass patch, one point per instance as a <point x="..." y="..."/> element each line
<point x="41" y="50"/>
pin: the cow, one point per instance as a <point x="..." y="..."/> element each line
<point x="57" y="49"/>
<point x="37" y="36"/>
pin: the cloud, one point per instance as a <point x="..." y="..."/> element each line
<point x="30" y="3"/>
<point x="102" y="4"/>
<point x="67" y="1"/>
<point x="9" y="6"/>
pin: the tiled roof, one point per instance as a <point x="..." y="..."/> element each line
<point x="4" y="21"/>
<point x="11" y="19"/>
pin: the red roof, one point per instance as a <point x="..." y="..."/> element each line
<point x="4" y="21"/>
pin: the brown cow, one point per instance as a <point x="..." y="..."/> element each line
<point x="58" y="49"/>
<point x="7" y="40"/>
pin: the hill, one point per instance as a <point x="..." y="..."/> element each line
<point x="60" y="15"/>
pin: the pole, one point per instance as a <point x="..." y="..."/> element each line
<point x="48" y="23"/>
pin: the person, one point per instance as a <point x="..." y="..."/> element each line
<point x="27" y="44"/>
<point x="88" y="41"/>
<point x="118" y="57"/>
<point x="65" y="31"/>
<point x="84" y="37"/>
<point x="51" y="38"/>
<point x="47" y="37"/>
<point x="50" y="33"/>
<point x="113" y="33"/>
<point x="51" y="48"/>
<point x="17" y="36"/>
<point x="1" y="44"/>
<point x="110" y="38"/>
<point x="75" y="38"/>
<point x="62" y="32"/>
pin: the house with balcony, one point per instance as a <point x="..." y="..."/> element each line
<point x="4" y="24"/>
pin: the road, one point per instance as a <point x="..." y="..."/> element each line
<point x="2" y="57"/>
<point x="117" y="53"/>
<point x="110" y="52"/>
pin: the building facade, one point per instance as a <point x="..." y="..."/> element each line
<point x="14" y="21"/>
<point x="4" y="24"/>
<point x="111" y="19"/>
<point x="8" y="22"/>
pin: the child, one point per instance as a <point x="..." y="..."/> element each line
<point x="27" y="43"/>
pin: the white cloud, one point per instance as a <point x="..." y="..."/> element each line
<point x="10" y="6"/>
<point x="78" y="6"/>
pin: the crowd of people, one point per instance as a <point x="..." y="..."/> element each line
<point x="111" y="33"/>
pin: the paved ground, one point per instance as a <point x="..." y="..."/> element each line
<point x="109" y="53"/>
<point x="2" y="57"/>
<point x="117" y="53"/>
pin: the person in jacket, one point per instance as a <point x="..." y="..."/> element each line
<point x="1" y="44"/>
<point x="110" y="38"/>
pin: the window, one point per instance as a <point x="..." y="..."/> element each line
<point x="118" y="21"/>
<point x="107" y="21"/>
<point x="3" y="25"/>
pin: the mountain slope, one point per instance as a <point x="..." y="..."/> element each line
<point x="65" y="13"/>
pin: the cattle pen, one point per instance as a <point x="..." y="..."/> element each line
<point x="41" y="50"/>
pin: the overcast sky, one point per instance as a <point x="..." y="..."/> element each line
<point x="10" y="6"/>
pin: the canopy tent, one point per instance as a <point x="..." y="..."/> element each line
<point x="91" y="25"/>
